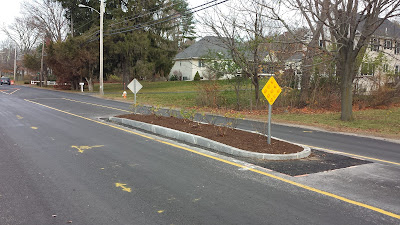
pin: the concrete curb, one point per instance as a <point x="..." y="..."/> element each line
<point x="204" y="142"/>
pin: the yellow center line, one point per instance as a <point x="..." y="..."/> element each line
<point x="354" y="155"/>
<point x="108" y="107"/>
<point x="397" y="216"/>
<point x="330" y="150"/>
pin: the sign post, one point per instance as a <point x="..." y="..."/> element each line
<point x="135" y="87"/>
<point x="271" y="91"/>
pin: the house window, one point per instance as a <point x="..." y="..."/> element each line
<point x="397" y="69"/>
<point x="397" y="48"/>
<point x="375" y="44"/>
<point x="201" y="63"/>
<point x="367" y="69"/>
<point x="321" y="43"/>
<point x="388" y="44"/>
<point x="385" y="68"/>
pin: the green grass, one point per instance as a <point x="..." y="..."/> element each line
<point x="380" y="121"/>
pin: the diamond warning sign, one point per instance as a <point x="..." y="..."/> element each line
<point x="271" y="90"/>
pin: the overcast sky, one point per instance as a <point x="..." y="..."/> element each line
<point x="9" y="9"/>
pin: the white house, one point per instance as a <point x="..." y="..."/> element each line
<point x="386" y="43"/>
<point x="192" y="59"/>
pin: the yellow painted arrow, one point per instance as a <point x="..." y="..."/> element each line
<point x="123" y="187"/>
<point x="81" y="149"/>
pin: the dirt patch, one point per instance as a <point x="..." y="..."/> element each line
<point x="232" y="137"/>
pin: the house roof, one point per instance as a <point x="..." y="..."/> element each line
<point x="386" y="29"/>
<point x="204" y="47"/>
<point x="296" y="57"/>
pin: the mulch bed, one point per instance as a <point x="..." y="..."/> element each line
<point x="232" y="137"/>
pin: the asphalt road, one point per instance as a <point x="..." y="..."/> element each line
<point x="60" y="164"/>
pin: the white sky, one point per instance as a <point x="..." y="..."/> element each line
<point x="9" y="9"/>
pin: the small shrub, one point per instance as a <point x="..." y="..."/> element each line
<point x="171" y="112"/>
<point x="63" y="87"/>
<point x="232" y="119"/>
<point x="114" y="78"/>
<point x="210" y="119"/>
<point x="197" y="76"/>
<point x="209" y="94"/>
<point x="188" y="114"/>
<point x="173" y="78"/>
<point x="154" y="110"/>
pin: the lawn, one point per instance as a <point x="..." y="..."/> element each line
<point x="381" y="122"/>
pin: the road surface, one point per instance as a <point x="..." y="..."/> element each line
<point x="60" y="164"/>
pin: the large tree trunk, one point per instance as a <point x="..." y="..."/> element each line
<point x="346" y="69"/>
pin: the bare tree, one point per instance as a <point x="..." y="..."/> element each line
<point x="242" y="29"/>
<point x="22" y="33"/>
<point x="350" y="25"/>
<point x="48" y="17"/>
<point x="7" y="48"/>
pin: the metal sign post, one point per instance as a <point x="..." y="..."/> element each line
<point x="271" y="91"/>
<point x="134" y="93"/>
<point x="135" y="87"/>
<point x="269" y="123"/>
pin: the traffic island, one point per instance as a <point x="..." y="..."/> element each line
<point x="218" y="138"/>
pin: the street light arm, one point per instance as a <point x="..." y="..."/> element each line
<point x="85" y="6"/>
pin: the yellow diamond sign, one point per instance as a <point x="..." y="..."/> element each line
<point x="271" y="90"/>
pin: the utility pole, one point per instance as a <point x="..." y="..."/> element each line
<point x="102" y="9"/>
<point x="101" y="46"/>
<point x="15" y="63"/>
<point x="41" y="65"/>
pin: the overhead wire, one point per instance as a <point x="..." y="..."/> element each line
<point x="89" y="36"/>
<point x="164" y="19"/>
<point x="141" y="15"/>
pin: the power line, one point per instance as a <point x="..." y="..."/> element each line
<point x="162" y="20"/>
<point x="165" y="18"/>
<point x="141" y="15"/>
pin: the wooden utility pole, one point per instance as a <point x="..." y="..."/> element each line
<point x="41" y="65"/>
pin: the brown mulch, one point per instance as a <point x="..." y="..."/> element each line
<point x="232" y="137"/>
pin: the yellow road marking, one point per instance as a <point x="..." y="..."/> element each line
<point x="20" y="117"/>
<point x="196" y="199"/>
<point x="123" y="187"/>
<point x="14" y="91"/>
<point x="306" y="131"/>
<point x="34" y="128"/>
<point x="108" y="107"/>
<point x="81" y="149"/>
<point x="160" y="211"/>
<point x="354" y="155"/>
<point x="397" y="216"/>
<point x="5" y="91"/>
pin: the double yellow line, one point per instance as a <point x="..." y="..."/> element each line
<point x="397" y="216"/>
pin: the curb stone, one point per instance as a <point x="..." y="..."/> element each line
<point x="204" y="142"/>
